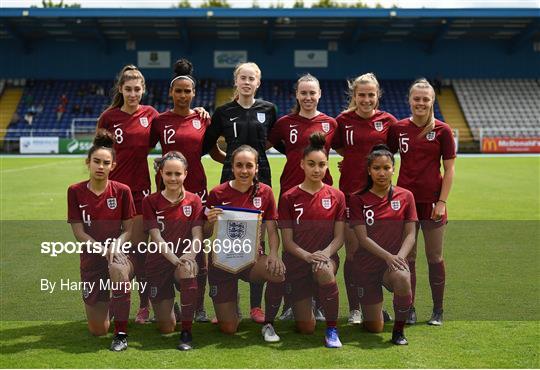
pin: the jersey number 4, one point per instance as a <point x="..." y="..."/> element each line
<point x="86" y="218"/>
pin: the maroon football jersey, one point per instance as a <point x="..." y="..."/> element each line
<point x="225" y="195"/>
<point x="294" y="130"/>
<point x="357" y="136"/>
<point x="132" y="135"/>
<point x="311" y="216"/>
<point x="420" y="169"/>
<point x="101" y="215"/>
<point x="385" y="222"/>
<point x="183" y="134"/>
<point x="174" y="221"/>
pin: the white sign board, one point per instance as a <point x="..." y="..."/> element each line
<point x="154" y="59"/>
<point x="229" y="58"/>
<point x="237" y="239"/>
<point x="38" y="145"/>
<point x="311" y="58"/>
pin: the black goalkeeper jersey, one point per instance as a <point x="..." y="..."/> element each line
<point x="240" y="126"/>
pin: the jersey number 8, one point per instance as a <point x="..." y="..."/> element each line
<point x="118" y="135"/>
<point x="369" y="215"/>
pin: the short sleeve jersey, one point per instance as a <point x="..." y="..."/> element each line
<point x="174" y="221"/>
<point x="241" y="126"/>
<point x="183" y="134"/>
<point x="357" y="136"/>
<point x="420" y="170"/>
<point x="226" y="195"/>
<point x="384" y="221"/>
<point x="132" y="136"/>
<point x="294" y="131"/>
<point x="311" y="216"/>
<point x="101" y="215"/>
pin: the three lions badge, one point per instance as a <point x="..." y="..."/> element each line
<point x="326" y="203"/>
<point x="111" y="203"/>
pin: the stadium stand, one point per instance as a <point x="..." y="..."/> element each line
<point x="509" y="106"/>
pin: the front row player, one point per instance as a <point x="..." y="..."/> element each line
<point x="101" y="209"/>
<point x="384" y="220"/>
<point x="245" y="191"/>
<point x="173" y="216"/>
<point x="311" y="219"/>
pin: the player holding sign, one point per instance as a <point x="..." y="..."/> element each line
<point x="422" y="142"/>
<point x="245" y="191"/>
<point x="311" y="219"/>
<point x="99" y="209"/>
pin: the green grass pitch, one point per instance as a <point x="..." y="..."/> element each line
<point x="492" y="299"/>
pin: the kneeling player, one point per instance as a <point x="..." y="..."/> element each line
<point x="100" y="209"/>
<point x="173" y="216"/>
<point x="311" y="218"/>
<point x="384" y="220"/>
<point x="245" y="191"/>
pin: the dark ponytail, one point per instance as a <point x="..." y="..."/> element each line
<point x="379" y="150"/>
<point x="183" y="70"/>
<point x="317" y="141"/>
<point x="103" y="140"/>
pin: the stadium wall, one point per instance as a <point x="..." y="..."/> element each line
<point x="392" y="60"/>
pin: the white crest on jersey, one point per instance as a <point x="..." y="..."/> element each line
<point x="153" y="292"/>
<point x="187" y="210"/>
<point x="395" y="204"/>
<point x="196" y="124"/>
<point x="430" y="135"/>
<point x="111" y="203"/>
<point x="378" y="125"/>
<point x="261" y="117"/>
<point x="325" y="126"/>
<point x="326" y="203"/>
<point x="257" y="202"/>
<point x="144" y="122"/>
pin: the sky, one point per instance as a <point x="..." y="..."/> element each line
<point x="286" y="3"/>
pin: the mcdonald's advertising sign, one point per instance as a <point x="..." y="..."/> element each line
<point x="510" y="145"/>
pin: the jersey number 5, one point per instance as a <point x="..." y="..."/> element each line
<point x="159" y="220"/>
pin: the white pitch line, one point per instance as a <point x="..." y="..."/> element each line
<point x="21" y="169"/>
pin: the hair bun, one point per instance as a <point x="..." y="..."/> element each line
<point x="183" y="67"/>
<point x="103" y="139"/>
<point x="317" y="140"/>
<point x="380" y="147"/>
